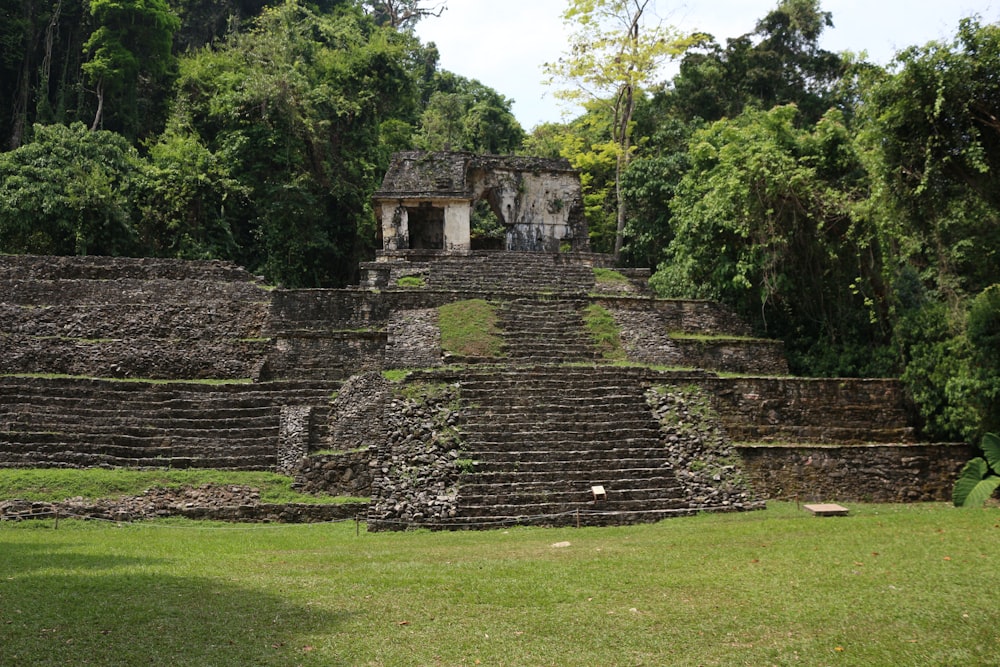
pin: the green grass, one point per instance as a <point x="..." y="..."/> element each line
<point x="469" y="329"/>
<point x="53" y="485"/>
<point x="888" y="585"/>
<point x="604" y="332"/>
<point x="410" y="281"/>
<point x="608" y="276"/>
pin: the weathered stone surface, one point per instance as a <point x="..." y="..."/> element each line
<point x="186" y="321"/>
<point x="699" y="450"/>
<point x="294" y="435"/>
<point x="417" y="466"/>
<point x="340" y="474"/>
<point x="357" y="413"/>
<point x="413" y="339"/>
<point x="426" y="199"/>
<point x="859" y="473"/>
<point x="220" y="503"/>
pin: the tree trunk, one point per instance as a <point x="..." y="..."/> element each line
<point x="624" y="149"/>
<point x="100" y="107"/>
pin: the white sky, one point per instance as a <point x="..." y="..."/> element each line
<point x="504" y="43"/>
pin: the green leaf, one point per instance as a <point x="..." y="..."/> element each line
<point x="974" y="485"/>
<point x="991" y="447"/>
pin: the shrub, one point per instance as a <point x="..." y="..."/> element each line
<point x="980" y="477"/>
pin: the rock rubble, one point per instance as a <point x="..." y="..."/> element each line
<point x="700" y="452"/>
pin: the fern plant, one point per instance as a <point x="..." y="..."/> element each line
<point x="980" y="477"/>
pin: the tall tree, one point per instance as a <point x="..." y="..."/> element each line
<point x="296" y="108"/>
<point x="67" y="192"/>
<point x="463" y="114"/>
<point x="616" y="48"/>
<point x="131" y="46"/>
<point x="780" y="62"/>
<point x="402" y="14"/>
<point x="931" y="134"/>
<point x="763" y="221"/>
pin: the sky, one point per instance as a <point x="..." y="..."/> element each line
<point x="505" y="43"/>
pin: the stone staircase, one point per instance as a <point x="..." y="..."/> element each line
<point x="544" y="330"/>
<point x="490" y="272"/>
<point x="540" y="439"/>
<point x="88" y="423"/>
<point x="539" y="427"/>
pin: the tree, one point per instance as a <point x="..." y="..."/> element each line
<point x="762" y="220"/>
<point x="298" y="106"/>
<point x="131" y="44"/>
<point x="616" y="50"/>
<point x="403" y="14"/>
<point x="779" y="63"/>
<point x="41" y="46"/>
<point x="931" y="137"/>
<point x="67" y="192"/>
<point x="188" y="200"/>
<point x="463" y="114"/>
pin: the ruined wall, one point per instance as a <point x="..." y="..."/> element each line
<point x="863" y="473"/>
<point x="543" y="210"/>
<point x="538" y="200"/>
<point x="820" y="410"/>
<point x="116" y="317"/>
<point x="341" y="474"/>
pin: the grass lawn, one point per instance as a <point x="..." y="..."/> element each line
<point x="887" y="585"/>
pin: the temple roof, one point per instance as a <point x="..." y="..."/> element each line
<point x="446" y="175"/>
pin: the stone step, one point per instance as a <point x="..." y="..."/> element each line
<point x="582" y="504"/>
<point x="538" y="497"/>
<point x="75" y="459"/>
<point x="514" y="399"/>
<point x="165" y="429"/>
<point x="542" y="472"/>
<point x="528" y="438"/>
<point x="572" y="457"/>
<point x="48" y="441"/>
<point x="824" y="434"/>
<point x="580" y="516"/>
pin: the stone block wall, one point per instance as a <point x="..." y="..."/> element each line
<point x="803" y="410"/>
<point x="343" y="474"/>
<point x="740" y="355"/>
<point x="317" y="356"/>
<point x="673" y="315"/>
<point x="148" y="318"/>
<point x="865" y="473"/>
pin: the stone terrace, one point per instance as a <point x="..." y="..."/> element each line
<point x="197" y="364"/>
<point x="125" y="318"/>
<point x="106" y="423"/>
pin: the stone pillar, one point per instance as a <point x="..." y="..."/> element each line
<point x="458" y="226"/>
<point x="395" y="226"/>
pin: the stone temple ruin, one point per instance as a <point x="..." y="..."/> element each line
<point x="426" y="202"/>
<point x="362" y="391"/>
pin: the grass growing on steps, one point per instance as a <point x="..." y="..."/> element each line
<point x="410" y="281"/>
<point x="604" y="332"/>
<point x="887" y="585"/>
<point x="469" y="329"/>
<point x="56" y="484"/>
<point x="608" y="276"/>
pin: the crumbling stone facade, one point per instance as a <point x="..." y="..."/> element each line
<point x="426" y="202"/>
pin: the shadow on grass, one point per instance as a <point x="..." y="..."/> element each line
<point x="58" y="608"/>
